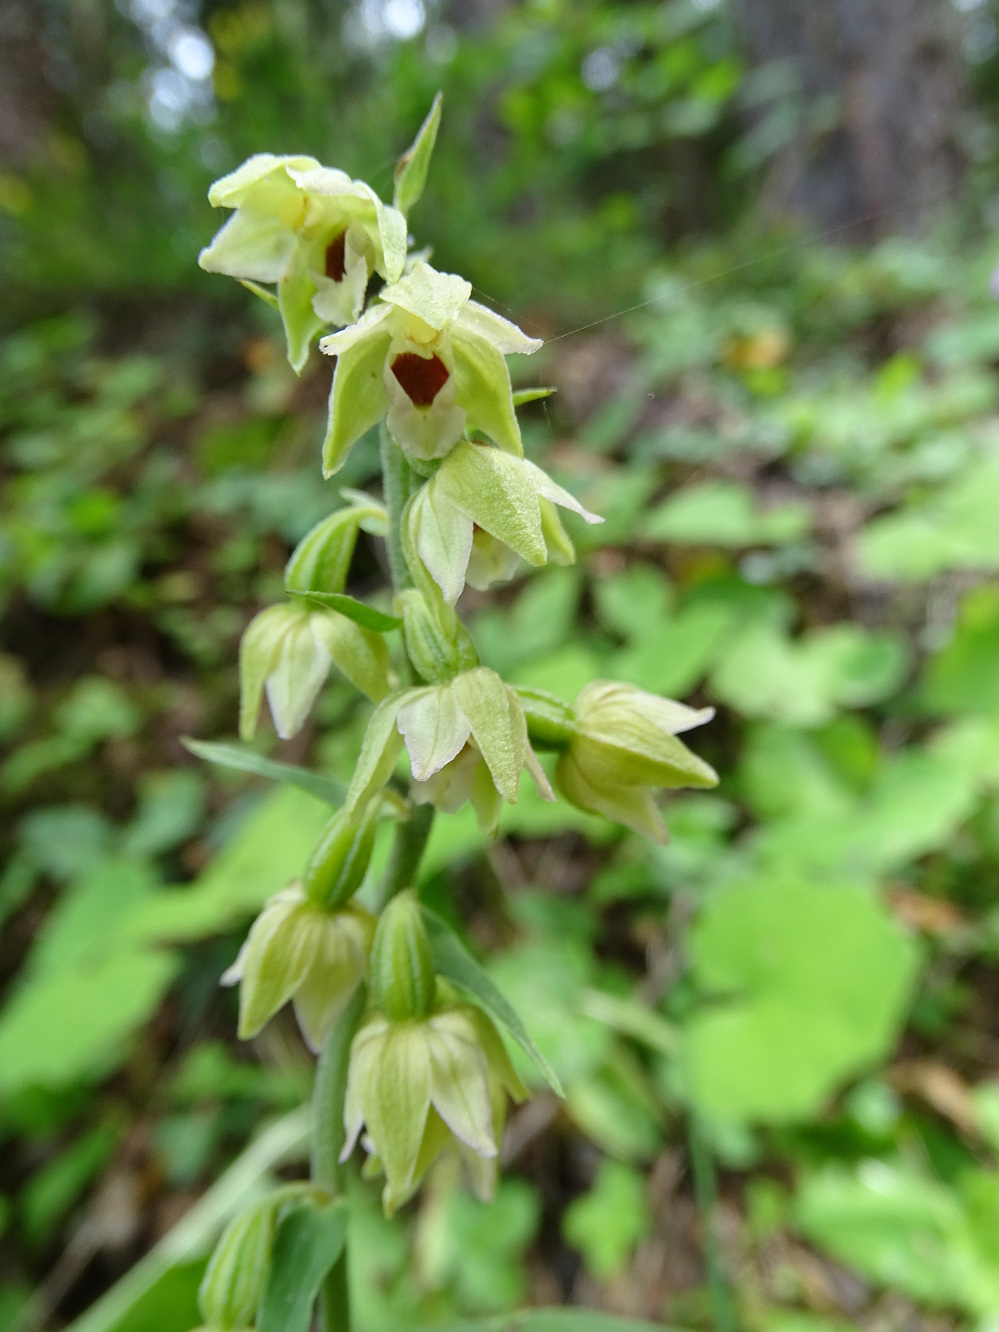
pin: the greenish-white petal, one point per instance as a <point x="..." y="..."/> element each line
<point x="436" y="298"/>
<point x="396" y="1098"/>
<point x="434" y="728"/>
<point x="301" y="323"/>
<point x="459" y="1084"/>
<point x="338" y="966"/>
<point x="258" y="246"/>
<point x="298" y="674"/>
<point x="229" y="191"/>
<point x="443" y="539"/>
<point x="258" y="654"/>
<point x="369" y="324"/>
<point x="506" y="337"/>
<point x="278" y="953"/>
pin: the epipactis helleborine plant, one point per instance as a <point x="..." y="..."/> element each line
<point x="413" y="1060"/>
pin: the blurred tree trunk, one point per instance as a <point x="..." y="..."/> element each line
<point x="876" y="90"/>
<point x="27" y="99"/>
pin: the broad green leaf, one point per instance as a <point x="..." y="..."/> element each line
<point x="308" y="1242"/>
<point x="453" y="961"/>
<point x="902" y="1230"/>
<point x="804" y="985"/>
<point x="246" y="760"/>
<point x="964" y="676"/>
<point x="723" y="513"/>
<point x="607" y="1222"/>
<point x="72" y="1024"/>
<point x="268" y="851"/>
<point x="353" y="609"/>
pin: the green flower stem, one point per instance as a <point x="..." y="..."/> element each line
<point x="397" y="481"/>
<point x="327" y="1143"/>
<point x="706" y="1189"/>
<point x="407" y="852"/>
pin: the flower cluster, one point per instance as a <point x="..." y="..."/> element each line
<point x="428" y="1068"/>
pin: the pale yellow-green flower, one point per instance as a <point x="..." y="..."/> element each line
<point x="311" y="230"/>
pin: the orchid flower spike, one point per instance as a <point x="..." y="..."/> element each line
<point x="312" y="230"/>
<point x="431" y="357"/>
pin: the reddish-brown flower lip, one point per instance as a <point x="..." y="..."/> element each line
<point x="336" y="263"/>
<point x="422" y="378"/>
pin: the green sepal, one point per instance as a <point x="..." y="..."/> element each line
<point x="402" y="966"/>
<point x="498" y="727"/>
<point x="355" y="610"/>
<point x="411" y="169"/>
<point x="358" y="399"/>
<point x="259" y="651"/>
<point x="236" y="757"/>
<point x="357" y="652"/>
<point x="301" y="323"/>
<point x="379" y="751"/>
<point x="454" y="962"/>
<point x="495" y="490"/>
<point x="309" y="1240"/>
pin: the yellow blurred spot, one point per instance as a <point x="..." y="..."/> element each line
<point x="226" y="81"/>
<point x="15" y="195"/>
<point x="234" y="30"/>
<point x="67" y="152"/>
<point x="761" y="351"/>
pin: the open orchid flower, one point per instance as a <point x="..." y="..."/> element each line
<point x="312" y="230"/>
<point x="433" y="359"/>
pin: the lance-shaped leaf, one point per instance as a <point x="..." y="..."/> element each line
<point x="308" y="1242"/>
<point x="245" y="760"/>
<point x="355" y="610"/>
<point x="455" y="963"/>
<point x="411" y="169"/>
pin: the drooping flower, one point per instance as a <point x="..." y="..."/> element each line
<point x="298" y="950"/>
<point x="426" y="1069"/>
<point x="474" y="722"/>
<point x="623" y="746"/>
<point x="288" y="651"/>
<point x="312" y="230"/>
<point x="431" y="357"/>
<point x="481" y="507"/>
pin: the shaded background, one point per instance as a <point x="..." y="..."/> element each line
<point x="792" y="434"/>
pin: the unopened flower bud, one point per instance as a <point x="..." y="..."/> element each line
<point x="402" y="966"/>
<point x="340" y="859"/>
<point x="437" y="644"/>
<point x="234" y="1280"/>
<point x="321" y="560"/>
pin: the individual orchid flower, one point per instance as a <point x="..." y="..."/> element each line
<point x="466" y="737"/>
<point x="426" y="1070"/>
<point x="433" y="359"/>
<point x="312" y="230"/>
<point x="481" y="511"/>
<point x="287" y="651"/>
<point x="299" y="950"/>
<point x="620" y="746"/>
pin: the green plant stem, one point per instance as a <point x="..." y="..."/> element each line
<point x="328" y="1137"/>
<point x="406" y="853"/>
<point x="397" y="481"/>
<point x="706" y="1189"/>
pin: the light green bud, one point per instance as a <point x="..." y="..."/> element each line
<point x="321" y="560"/>
<point x="402" y="967"/>
<point x="550" y="720"/>
<point x="297" y="950"/>
<point x="340" y="859"/>
<point x="437" y="644"/>
<point x="288" y="651"/>
<point x="624" y="747"/>
<point x="234" y="1280"/>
